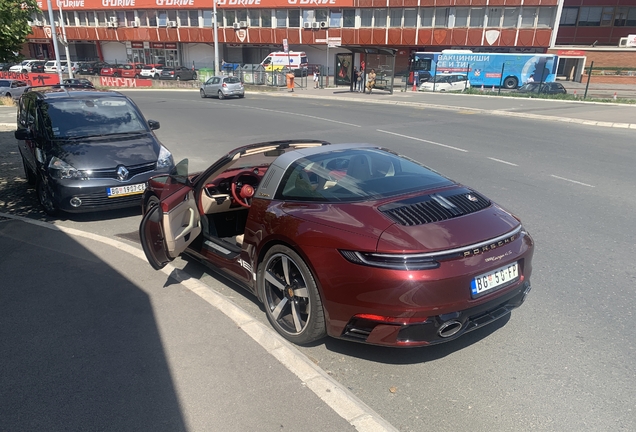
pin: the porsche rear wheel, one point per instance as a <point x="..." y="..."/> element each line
<point x="290" y="295"/>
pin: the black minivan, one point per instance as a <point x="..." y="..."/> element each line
<point x="86" y="149"/>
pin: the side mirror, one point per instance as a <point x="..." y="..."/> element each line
<point x="23" y="134"/>
<point x="153" y="124"/>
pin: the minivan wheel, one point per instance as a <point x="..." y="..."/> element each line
<point x="221" y="95"/>
<point x="46" y="199"/>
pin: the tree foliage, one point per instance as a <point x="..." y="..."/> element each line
<point x="14" y="27"/>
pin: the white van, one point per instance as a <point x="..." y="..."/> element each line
<point x="295" y="60"/>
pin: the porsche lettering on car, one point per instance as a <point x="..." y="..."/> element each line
<point x="353" y="241"/>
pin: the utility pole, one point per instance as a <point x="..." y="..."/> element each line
<point x="216" y="42"/>
<point x="65" y="43"/>
<point x="54" y="40"/>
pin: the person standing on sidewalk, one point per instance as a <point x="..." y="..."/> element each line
<point x="316" y="77"/>
<point x="355" y="78"/>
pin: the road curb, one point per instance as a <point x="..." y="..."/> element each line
<point x="331" y="392"/>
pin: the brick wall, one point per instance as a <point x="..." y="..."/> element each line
<point x="610" y="79"/>
<point x="626" y="59"/>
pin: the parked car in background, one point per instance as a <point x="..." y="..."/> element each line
<point x="51" y="66"/>
<point x="222" y="87"/>
<point x="132" y="70"/>
<point x="78" y="82"/>
<point x="74" y="68"/>
<point x="543" y="88"/>
<point x="12" y="88"/>
<point x="110" y="70"/>
<point x="91" y="68"/>
<point x="179" y="73"/>
<point x="86" y="149"/>
<point x="151" y="70"/>
<point x="5" y="66"/>
<point x="446" y="83"/>
<point x="353" y="241"/>
<point x="38" y="66"/>
<point x="22" y="67"/>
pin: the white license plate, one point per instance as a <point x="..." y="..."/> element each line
<point x="494" y="279"/>
<point x="126" y="190"/>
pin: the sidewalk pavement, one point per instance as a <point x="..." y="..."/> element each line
<point x="579" y="112"/>
<point x="94" y="339"/>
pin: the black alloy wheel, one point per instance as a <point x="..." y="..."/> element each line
<point x="290" y="296"/>
<point x="46" y="199"/>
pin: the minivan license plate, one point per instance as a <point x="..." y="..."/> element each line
<point x="119" y="191"/>
<point x="494" y="279"/>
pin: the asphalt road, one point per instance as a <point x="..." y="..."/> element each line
<point x="562" y="362"/>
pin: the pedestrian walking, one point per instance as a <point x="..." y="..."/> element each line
<point x="357" y="80"/>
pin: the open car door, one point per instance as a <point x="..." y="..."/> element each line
<point x="169" y="227"/>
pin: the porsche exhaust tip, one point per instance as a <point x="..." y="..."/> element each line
<point x="449" y="328"/>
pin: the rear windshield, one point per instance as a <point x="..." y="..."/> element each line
<point x="91" y="116"/>
<point x="232" y="80"/>
<point x="355" y="175"/>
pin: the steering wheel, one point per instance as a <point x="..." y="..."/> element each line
<point x="246" y="191"/>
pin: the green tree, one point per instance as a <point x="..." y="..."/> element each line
<point x="14" y="27"/>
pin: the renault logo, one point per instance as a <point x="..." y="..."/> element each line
<point x="122" y="173"/>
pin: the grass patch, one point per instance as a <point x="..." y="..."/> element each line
<point x="7" y="101"/>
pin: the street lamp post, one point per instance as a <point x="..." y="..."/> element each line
<point x="54" y="40"/>
<point x="69" y="65"/>
<point x="216" y="42"/>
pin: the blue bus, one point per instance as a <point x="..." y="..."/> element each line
<point x="488" y="69"/>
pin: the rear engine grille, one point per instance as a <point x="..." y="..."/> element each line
<point x="435" y="207"/>
<point x="111" y="173"/>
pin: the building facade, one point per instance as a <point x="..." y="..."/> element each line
<point x="180" y="32"/>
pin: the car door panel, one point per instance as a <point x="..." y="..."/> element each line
<point x="181" y="221"/>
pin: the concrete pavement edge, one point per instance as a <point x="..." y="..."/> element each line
<point x="335" y="395"/>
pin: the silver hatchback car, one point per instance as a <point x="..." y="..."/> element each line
<point x="222" y="87"/>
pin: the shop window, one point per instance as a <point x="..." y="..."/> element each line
<point x="477" y="17"/>
<point x="569" y="16"/>
<point x="395" y="17"/>
<point x="121" y="17"/>
<point x="607" y="16"/>
<point x="366" y="17"/>
<point x="426" y="17"/>
<point x="69" y="18"/>
<point x="219" y="18"/>
<point x="546" y="17"/>
<point x="230" y="18"/>
<point x="410" y="18"/>
<point x="241" y="15"/>
<point x="130" y="17"/>
<point x="322" y="15"/>
<point x="162" y="18"/>
<point x="379" y="18"/>
<point x="255" y="17"/>
<point x="183" y="19"/>
<point x="441" y="17"/>
<point x="349" y="18"/>
<point x="293" y="16"/>
<point x="590" y="16"/>
<point x="281" y="18"/>
<point x="152" y="18"/>
<point x="207" y="18"/>
<point x="631" y="18"/>
<point x="143" y="18"/>
<point x="308" y="15"/>
<point x="511" y="17"/>
<point x="461" y="17"/>
<point x="528" y="15"/>
<point x="194" y="18"/>
<point x="335" y="18"/>
<point x="266" y="18"/>
<point x="172" y="15"/>
<point x="494" y="17"/>
<point x="90" y="19"/>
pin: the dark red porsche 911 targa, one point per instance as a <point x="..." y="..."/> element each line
<point x="350" y="240"/>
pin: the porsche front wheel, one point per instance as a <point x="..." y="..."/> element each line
<point x="290" y="295"/>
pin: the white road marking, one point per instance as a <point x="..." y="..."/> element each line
<point x="299" y="115"/>
<point x="571" y="181"/>
<point x="503" y="161"/>
<point x="335" y="395"/>
<point x="423" y="140"/>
